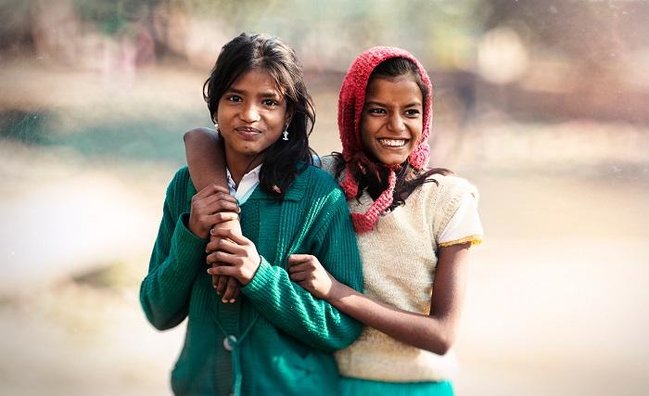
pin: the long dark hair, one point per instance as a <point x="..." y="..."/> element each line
<point x="374" y="178"/>
<point x="284" y="159"/>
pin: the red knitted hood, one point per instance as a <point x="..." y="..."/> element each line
<point x="350" y="107"/>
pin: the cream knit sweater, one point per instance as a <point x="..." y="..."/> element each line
<point x="399" y="260"/>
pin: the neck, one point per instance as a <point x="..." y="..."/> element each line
<point x="239" y="166"/>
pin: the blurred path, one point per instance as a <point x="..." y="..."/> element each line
<point x="557" y="294"/>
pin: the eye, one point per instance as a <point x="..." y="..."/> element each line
<point x="376" y="111"/>
<point x="412" y="113"/>
<point x="270" y="102"/>
<point x="234" y="98"/>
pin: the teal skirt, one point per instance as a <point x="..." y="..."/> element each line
<point x="361" y="387"/>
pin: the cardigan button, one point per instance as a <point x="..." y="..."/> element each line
<point x="229" y="342"/>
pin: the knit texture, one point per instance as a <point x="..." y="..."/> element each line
<point x="350" y="107"/>
<point x="412" y="232"/>
<point x="284" y="335"/>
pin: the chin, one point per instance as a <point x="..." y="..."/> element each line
<point x="392" y="160"/>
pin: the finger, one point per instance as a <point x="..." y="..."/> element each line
<point x="224" y="259"/>
<point x="215" y="243"/>
<point x="218" y="257"/>
<point x="218" y="203"/>
<point x="209" y="190"/>
<point x="228" y="234"/>
<point x="236" y="292"/>
<point x="295" y="268"/>
<point x="225" y="217"/>
<point x="223" y="270"/>
<point x="298" y="276"/>
<point x="218" y="243"/>
<point x="221" y="284"/>
<point x="219" y="188"/>
<point x="298" y="258"/>
<point x="231" y="290"/>
<point x="212" y="245"/>
<point x="215" y="283"/>
<point x="210" y="196"/>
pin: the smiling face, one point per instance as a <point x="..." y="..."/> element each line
<point x="252" y="113"/>
<point x="392" y="122"/>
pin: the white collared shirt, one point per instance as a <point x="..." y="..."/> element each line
<point x="246" y="186"/>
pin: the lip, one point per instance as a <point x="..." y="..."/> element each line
<point x="248" y="133"/>
<point x="383" y="140"/>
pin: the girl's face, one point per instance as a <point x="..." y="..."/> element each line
<point x="252" y="114"/>
<point x="392" y="118"/>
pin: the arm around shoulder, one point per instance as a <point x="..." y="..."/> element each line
<point x="205" y="157"/>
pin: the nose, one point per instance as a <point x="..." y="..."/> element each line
<point x="396" y="123"/>
<point x="249" y="113"/>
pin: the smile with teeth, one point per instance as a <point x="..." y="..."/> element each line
<point x="393" y="142"/>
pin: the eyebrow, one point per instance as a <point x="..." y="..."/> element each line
<point x="375" y="103"/>
<point x="266" y="94"/>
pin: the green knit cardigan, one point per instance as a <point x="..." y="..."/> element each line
<point x="280" y="337"/>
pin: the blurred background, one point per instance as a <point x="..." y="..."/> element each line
<point x="544" y="105"/>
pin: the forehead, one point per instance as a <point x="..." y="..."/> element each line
<point x="259" y="80"/>
<point x="394" y="88"/>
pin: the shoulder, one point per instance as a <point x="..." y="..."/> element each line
<point x="329" y="163"/>
<point x="314" y="182"/>
<point x="180" y="178"/>
<point x="444" y="194"/>
<point x="317" y="175"/>
<point x="180" y="185"/>
<point x="450" y="186"/>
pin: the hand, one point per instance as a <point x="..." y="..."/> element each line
<point x="236" y="254"/>
<point x="307" y="271"/>
<point x="210" y="206"/>
<point x="226" y="287"/>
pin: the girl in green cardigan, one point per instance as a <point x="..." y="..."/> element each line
<point x="275" y="337"/>
<point x="414" y="226"/>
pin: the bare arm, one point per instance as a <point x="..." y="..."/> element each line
<point x="206" y="163"/>
<point x="434" y="332"/>
<point x="205" y="158"/>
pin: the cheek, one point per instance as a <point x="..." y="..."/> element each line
<point x="416" y="129"/>
<point x="366" y="136"/>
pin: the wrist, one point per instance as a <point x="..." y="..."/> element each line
<point x="336" y="292"/>
<point x="254" y="270"/>
<point x="193" y="227"/>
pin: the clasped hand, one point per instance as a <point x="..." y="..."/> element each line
<point x="307" y="271"/>
<point x="236" y="255"/>
<point x="214" y="209"/>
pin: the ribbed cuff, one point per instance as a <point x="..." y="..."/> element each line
<point x="258" y="285"/>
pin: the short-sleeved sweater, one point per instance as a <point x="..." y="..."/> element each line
<point x="284" y="336"/>
<point x="399" y="260"/>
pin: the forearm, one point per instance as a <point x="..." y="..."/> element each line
<point x="175" y="262"/>
<point x="205" y="158"/>
<point x="289" y="307"/>
<point x="422" y="331"/>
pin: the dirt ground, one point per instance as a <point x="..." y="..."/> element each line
<point x="556" y="297"/>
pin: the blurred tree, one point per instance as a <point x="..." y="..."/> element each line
<point x="15" y="33"/>
<point x="594" y="35"/>
<point x="112" y="16"/>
